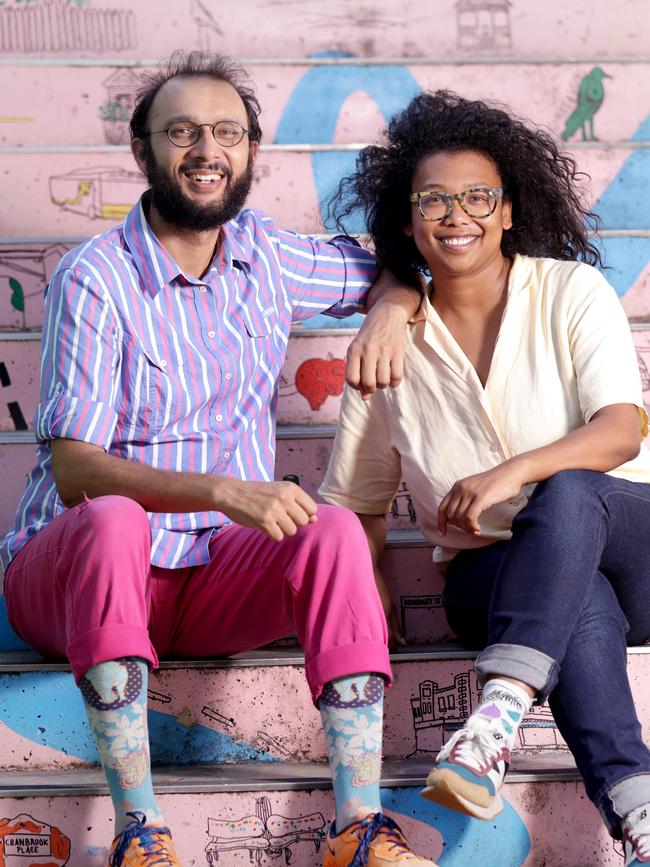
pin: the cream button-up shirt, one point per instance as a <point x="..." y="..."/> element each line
<point x="564" y="351"/>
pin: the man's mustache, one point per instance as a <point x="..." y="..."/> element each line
<point x="193" y="166"/>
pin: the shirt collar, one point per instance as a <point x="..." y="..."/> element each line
<point x="157" y="268"/>
<point x="518" y="279"/>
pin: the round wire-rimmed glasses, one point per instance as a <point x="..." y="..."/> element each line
<point x="477" y="202"/>
<point x="185" y="133"/>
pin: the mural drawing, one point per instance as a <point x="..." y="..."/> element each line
<point x="483" y="25"/>
<point x="264" y="833"/>
<point x="438" y="712"/>
<point x="591" y="94"/>
<point x="53" y="26"/>
<point x="98" y="192"/>
<point x="27" y="842"/>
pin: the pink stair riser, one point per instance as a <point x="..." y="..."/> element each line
<point x="542" y="824"/>
<point x="71" y="194"/>
<point x="263" y="712"/>
<point x="98" y="103"/>
<point x="306" y="458"/>
<point x="136" y="31"/>
<point x="310" y="388"/>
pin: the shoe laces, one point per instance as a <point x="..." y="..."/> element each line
<point x="476" y="737"/>
<point x="153" y="848"/>
<point x="369" y="829"/>
<point x="638" y="832"/>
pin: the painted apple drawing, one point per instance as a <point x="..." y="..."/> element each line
<point x="318" y="378"/>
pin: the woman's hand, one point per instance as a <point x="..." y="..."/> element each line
<point x="470" y="497"/>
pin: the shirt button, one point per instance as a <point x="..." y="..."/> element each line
<point x="204" y="288"/>
<point x="163" y="363"/>
<point x="226" y="455"/>
<point x="210" y="333"/>
<point x="229" y="376"/>
<point x="494" y="447"/>
<point x="219" y="417"/>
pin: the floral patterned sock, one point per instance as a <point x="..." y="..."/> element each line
<point x="352" y="709"/>
<point x="115" y="695"/>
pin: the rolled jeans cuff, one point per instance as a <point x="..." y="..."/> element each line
<point x="521" y="663"/>
<point x="620" y="799"/>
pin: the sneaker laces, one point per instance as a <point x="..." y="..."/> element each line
<point x="369" y="829"/>
<point x="154" y="853"/>
<point x="475" y="737"/>
<point x="638" y="832"/>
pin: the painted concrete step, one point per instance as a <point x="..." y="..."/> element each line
<point x="257" y="707"/>
<point x="257" y="815"/>
<point x="414" y="581"/>
<point x="303" y="454"/>
<point x="26" y="264"/>
<point x="99" y="102"/>
<point x="310" y="387"/>
<point x="70" y="193"/>
<point x="398" y="29"/>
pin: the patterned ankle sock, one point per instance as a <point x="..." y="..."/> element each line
<point x="505" y="705"/>
<point x="352" y="709"/>
<point x="115" y="695"/>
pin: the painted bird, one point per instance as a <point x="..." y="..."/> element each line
<point x="590" y="97"/>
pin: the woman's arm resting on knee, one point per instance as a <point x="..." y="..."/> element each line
<point x="610" y="438"/>
<point x="276" y="508"/>
<point x="375" y="528"/>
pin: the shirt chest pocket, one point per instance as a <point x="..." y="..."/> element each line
<point x="147" y="391"/>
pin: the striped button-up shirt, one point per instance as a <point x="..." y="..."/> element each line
<point x="176" y="372"/>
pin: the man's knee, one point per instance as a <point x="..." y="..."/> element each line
<point x="338" y="526"/>
<point x="113" y="523"/>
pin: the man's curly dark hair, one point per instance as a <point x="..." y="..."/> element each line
<point x="548" y="214"/>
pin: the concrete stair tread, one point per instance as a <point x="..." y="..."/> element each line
<point x="30" y="660"/>
<point x="276" y="776"/>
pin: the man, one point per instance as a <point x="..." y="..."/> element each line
<point x="162" y="345"/>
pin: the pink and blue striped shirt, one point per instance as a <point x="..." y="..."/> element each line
<point x="176" y="372"/>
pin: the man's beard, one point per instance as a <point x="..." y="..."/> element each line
<point x="179" y="210"/>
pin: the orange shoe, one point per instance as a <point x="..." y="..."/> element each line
<point x="375" y="841"/>
<point x="141" y="845"/>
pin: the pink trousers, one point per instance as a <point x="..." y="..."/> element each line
<point x="83" y="588"/>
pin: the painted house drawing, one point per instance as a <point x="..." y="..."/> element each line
<point x="438" y="712"/>
<point x="121" y="88"/>
<point x="483" y="25"/>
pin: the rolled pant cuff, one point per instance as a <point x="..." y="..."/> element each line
<point x="520" y="662"/>
<point x="620" y="799"/>
<point x="105" y="643"/>
<point x="345" y="661"/>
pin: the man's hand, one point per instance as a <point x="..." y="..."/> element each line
<point x="375" y="358"/>
<point x="470" y="497"/>
<point x="376" y="355"/>
<point x="276" y="508"/>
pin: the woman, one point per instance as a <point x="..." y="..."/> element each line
<point x="518" y="431"/>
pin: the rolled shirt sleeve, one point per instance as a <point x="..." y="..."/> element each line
<point x="331" y="277"/>
<point x="80" y="357"/>
<point x="364" y="470"/>
<point x="603" y="353"/>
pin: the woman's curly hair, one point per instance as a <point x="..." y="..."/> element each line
<point x="548" y="214"/>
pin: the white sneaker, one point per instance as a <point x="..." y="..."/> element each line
<point x="636" y="837"/>
<point x="470" y="769"/>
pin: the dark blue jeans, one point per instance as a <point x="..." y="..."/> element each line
<point x="555" y="606"/>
